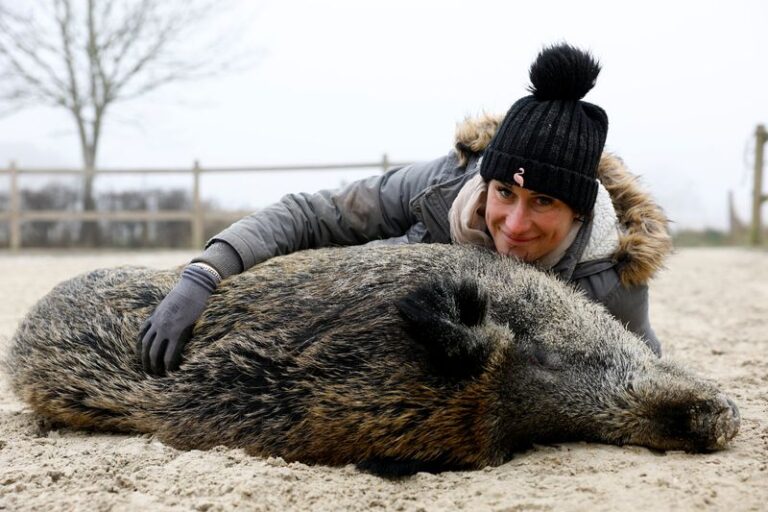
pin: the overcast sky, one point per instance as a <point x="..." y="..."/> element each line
<point x="684" y="85"/>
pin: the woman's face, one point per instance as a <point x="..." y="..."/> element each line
<point x="524" y="223"/>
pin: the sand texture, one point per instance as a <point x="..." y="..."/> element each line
<point x="709" y="308"/>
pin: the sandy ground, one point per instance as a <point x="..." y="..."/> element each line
<point x="710" y="309"/>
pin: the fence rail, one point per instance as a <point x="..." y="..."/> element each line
<point x="197" y="216"/>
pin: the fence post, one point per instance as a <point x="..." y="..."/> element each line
<point x="197" y="209"/>
<point x="384" y="163"/>
<point x="15" y="222"/>
<point x="758" y="198"/>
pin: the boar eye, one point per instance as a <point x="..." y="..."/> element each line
<point x="547" y="359"/>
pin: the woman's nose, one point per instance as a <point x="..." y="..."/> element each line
<point x="518" y="219"/>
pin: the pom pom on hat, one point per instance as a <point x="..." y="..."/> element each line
<point x="562" y="72"/>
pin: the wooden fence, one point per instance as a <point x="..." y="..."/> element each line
<point x="15" y="215"/>
<point x="758" y="198"/>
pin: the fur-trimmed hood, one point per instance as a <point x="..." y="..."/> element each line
<point x="644" y="242"/>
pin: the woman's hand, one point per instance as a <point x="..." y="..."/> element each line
<point x="165" y="333"/>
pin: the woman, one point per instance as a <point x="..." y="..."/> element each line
<point x="534" y="185"/>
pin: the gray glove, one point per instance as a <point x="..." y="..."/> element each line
<point x="164" y="334"/>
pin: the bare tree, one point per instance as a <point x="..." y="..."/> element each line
<point x="85" y="55"/>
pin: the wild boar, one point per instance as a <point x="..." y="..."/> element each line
<point x="396" y="358"/>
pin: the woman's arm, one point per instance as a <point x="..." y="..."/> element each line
<point x="630" y="306"/>
<point x="369" y="209"/>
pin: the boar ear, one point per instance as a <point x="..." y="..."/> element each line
<point x="440" y="316"/>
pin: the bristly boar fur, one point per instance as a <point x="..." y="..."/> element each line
<point x="399" y="359"/>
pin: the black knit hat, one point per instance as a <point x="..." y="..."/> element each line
<point x="551" y="141"/>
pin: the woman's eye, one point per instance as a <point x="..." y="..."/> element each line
<point x="504" y="192"/>
<point x="544" y="201"/>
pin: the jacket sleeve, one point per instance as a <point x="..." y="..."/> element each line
<point x="630" y="307"/>
<point x="369" y="209"/>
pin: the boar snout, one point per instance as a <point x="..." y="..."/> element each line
<point x="701" y="425"/>
<point x="719" y="427"/>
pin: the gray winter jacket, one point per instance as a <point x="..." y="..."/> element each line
<point x="411" y="204"/>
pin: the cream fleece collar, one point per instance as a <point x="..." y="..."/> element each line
<point x="604" y="239"/>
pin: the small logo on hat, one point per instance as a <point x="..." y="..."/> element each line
<point x="518" y="177"/>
